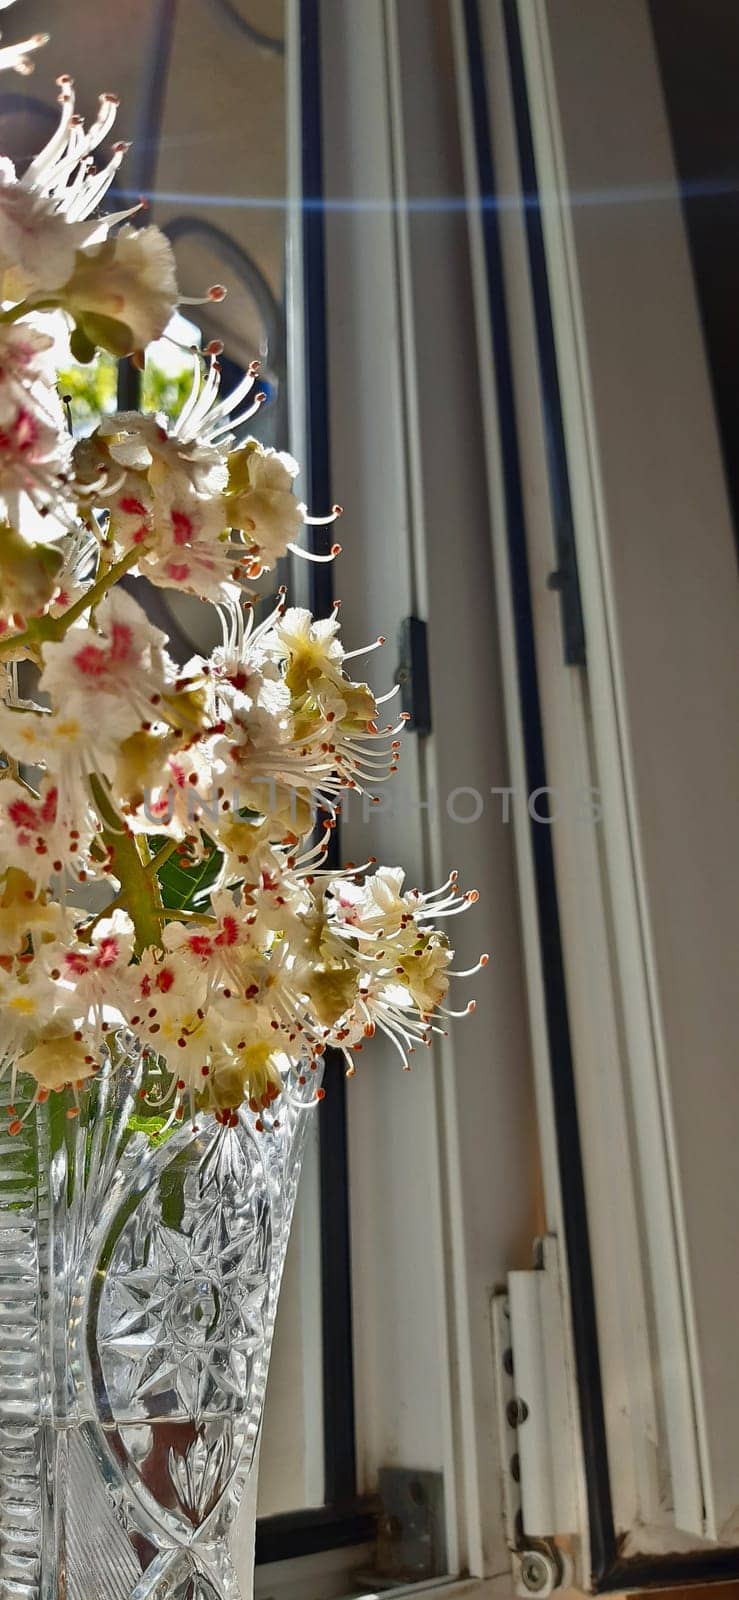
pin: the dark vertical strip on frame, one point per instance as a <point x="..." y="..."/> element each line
<point x="600" y="1512"/>
<point x="565" y="579"/>
<point x="338" y="1368"/>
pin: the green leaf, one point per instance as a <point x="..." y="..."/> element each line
<point x="106" y="332"/>
<point x="81" y="347"/>
<point x="184" y="890"/>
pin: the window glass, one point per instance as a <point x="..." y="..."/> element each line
<point x="202" y="99"/>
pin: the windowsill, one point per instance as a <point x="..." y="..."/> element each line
<point x="320" y="1576"/>
<point x="498" y="1588"/>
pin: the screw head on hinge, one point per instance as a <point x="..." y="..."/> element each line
<point x="537" y="1572"/>
<point x="516" y="1412"/>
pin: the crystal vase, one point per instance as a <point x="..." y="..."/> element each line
<point x="139" y="1276"/>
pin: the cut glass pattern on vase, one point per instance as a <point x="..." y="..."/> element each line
<point x="139" y="1277"/>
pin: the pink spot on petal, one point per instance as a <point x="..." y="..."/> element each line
<point x="121" y="642"/>
<point x="49" y="806"/>
<point x="75" y="961"/>
<point x="91" y="661"/>
<point x="107" y="952"/>
<point x="22" y="814"/>
<point x="182" y="527"/>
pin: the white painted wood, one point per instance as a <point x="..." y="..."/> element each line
<point x="487" y="1130"/>
<point x="545" y="1437"/>
<point x="594" y="1001"/>
<point x="659" y="591"/>
<point x="443" y="1166"/>
<point x="551" y="1199"/>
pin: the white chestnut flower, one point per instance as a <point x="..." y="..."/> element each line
<point x="117" y="666"/>
<point x="70" y="745"/>
<point x="122" y="293"/>
<point x="33" y="837"/>
<point x="47" y="215"/>
<point x="260" y="501"/>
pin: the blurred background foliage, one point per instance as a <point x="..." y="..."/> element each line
<point x="92" y="390"/>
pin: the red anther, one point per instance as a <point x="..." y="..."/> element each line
<point x="15" y="1127"/>
<point x="336" y="549"/>
<point x="217" y="292"/>
<point x="320" y="1094"/>
<point x="214" y="347"/>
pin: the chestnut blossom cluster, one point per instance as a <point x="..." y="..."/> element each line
<point x="166" y="882"/>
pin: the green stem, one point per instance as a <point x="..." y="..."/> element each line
<point x="162" y="855"/>
<point x="93" y="594"/>
<point x="14" y="313"/>
<point x="190" y="916"/>
<point x="139" y="889"/>
<point x="41" y="629"/>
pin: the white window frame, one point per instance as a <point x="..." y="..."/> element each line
<point x="443" y="1167"/>
<point x="643" y="453"/>
<point x="428" y="1193"/>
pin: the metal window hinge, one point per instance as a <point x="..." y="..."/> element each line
<point x="412" y="673"/>
<point x="536" y="1423"/>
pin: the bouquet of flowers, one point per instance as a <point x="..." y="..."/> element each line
<point x="165" y="880"/>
